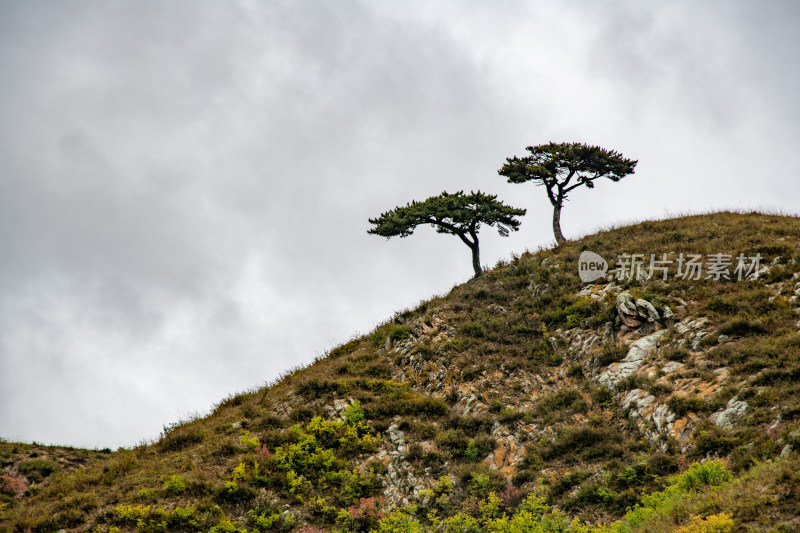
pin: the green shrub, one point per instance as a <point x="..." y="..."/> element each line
<point x="612" y="352"/>
<point x="271" y="521"/>
<point x="479" y="480"/>
<point x="302" y="414"/>
<point x="713" y="442"/>
<point x="353" y="413"/>
<point x="523" y="476"/>
<point x="420" y="406"/>
<point x="592" y="494"/>
<point x="345" y="349"/>
<point x="175" y="485"/>
<point x="575" y="370"/>
<point x="475" y="330"/>
<point x="379" y="370"/>
<point x="398" y="333"/>
<point x="742" y="327"/>
<point x="227" y="449"/>
<point x="414" y="452"/>
<point x="524" y="330"/>
<point x="560" y="404"/>
<point x="232" y="492"/>
<point x="583" y="442"/>
<point x="321" y="388"/>
<point x="37" y="469"/>
<point x="676" y="354"/>
<point x="700" y="475"/>
<point x="681" y="405"/>
<point x="602" y="397"/>
<point x="723" y="306"/>
<point x="565" y="483"/>
<point x="471" y="425"/>
<point x="226" y="526"/>
<point x="180" y="438"/>
<point x="462" y="447"/>
<point x="472" y="453"/>
<point x="544" y="353"/>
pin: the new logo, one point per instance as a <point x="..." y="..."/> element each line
<point x="591" y="266"/>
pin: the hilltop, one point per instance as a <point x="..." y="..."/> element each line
<point x="524" y="400"/>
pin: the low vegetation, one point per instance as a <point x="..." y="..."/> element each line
<point x="483" y="410"/>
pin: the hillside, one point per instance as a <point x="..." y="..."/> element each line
<point x="524" y="400"/>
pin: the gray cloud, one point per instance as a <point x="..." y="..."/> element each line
<point x="184" y="187"/>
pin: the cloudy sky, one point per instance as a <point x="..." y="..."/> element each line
<point x="185" y="185"/>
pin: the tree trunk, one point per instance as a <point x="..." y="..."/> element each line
<point x="476" y="260"/>
<point x="557" y="224"/>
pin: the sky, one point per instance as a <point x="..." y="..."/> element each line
<point x="185" y="186"/>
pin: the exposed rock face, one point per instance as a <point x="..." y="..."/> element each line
<point x="598" y="292"/>
<point x="508" y="454"/>
<point x="638" y="353"/>
<point x="400" y="483"/>
<point x="639" y="324"/>
<point x="637" y="401"/>
<point x="733" y="411"/>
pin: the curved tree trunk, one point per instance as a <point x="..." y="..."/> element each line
<point x="476" y="260"/>
<point x="557" y="224"/>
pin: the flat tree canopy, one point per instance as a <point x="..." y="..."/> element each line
<point x="563" y="167"/>
<point x="457" y="214"/>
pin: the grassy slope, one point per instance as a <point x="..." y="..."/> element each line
<point x="493" y="386"/>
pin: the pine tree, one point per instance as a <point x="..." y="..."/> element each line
<point x="457" y="214"/>
<point x="562" y="168"/>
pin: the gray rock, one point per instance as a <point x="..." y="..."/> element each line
<point x="638" y="352"/>
<point x="647" y="310"/>
<point x="663" y="418"/>
<point x="699" y="336"/>
<point x="634" y="313"/>
<point x="236" y="425"/>
<point x="468" y="406"/>
<point x="786" y="451"/>
<point x="723" y="338"/>
<point x="538" y="289"/>
<point x="636" y="401"/>
<point x="672" y="366"/>
<point x="396" y="436"/>
<point x="626" y="309"/>
<point x="725" y="418"/>
<point x="339" y="405"/>
<point x="668" y="312"/>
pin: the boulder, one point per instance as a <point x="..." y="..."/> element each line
<point x="733" y="411"/>
<point x="634" y="313"/>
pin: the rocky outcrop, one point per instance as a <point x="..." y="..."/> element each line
<point x="508" y="454"/>
<point x="637" y="355"/>
<point x="400" y="483"/>
<point x="735" y="409"/>
<point x="634" y="313"/>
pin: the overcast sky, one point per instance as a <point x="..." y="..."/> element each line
<point x="185" y="185"/>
